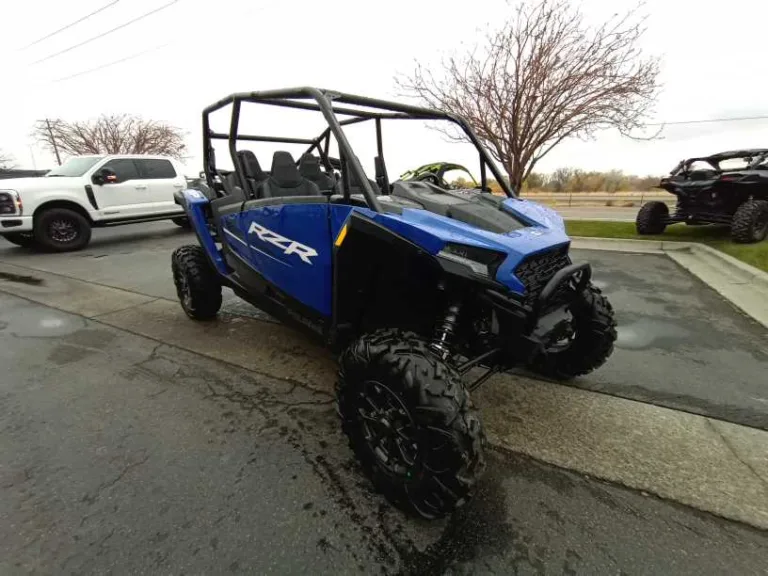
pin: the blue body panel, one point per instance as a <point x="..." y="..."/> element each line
<point x="291" y="245"/>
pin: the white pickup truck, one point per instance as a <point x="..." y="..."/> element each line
<point x="56" y="212"/>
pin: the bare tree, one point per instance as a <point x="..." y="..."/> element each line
<point x="541" y="77"/>
<point x="6" y="161"/>
<point x="110" y="134"/>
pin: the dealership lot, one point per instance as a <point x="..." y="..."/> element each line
<point x="680" y="344"/>
<point x="141" y="439"/>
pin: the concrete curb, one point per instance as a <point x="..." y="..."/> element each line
<point x="745" y="286"/>
<point x="714" y="466"/>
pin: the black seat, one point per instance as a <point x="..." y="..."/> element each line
<point x="309" y="168"/>
<point x="251" y="169"/>
<point x="285" y="180"/>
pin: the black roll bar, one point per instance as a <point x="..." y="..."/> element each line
<point x="326" y="102"/>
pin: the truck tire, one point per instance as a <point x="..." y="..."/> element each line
<point x="750" y="222"/>
<point x="591" y="342"/>
<point x="651" y="218"/>
<point x="23" y="239"/>
<point x="410" y="423"/>
<point x="182" y="222"/>
<point x="61" y="230"/>
<point x="197" y="285"/>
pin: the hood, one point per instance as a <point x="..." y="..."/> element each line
<point x="432" y="231"/>
<point x="534" y="214"/>
<point x="22" y="185"/>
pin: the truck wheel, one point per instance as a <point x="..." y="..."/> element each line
<point x="62" y="230"/>
<point x="182" y="222"/>
<point x="750" y="222"/>
<point x="651" y="219"/>
<point x="588" y="343"/>
<point x="410" y="422"/>
<point x="197" y="285"/>
<point x="23" y="239"/>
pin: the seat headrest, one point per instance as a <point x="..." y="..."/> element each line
<point x="309" y="166"/>
<point x="251" y="165"/>
<point x="284" y="171"/>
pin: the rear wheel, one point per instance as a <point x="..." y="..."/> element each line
<point x="750" y="222"/>
<point x="410" y="422"/>
<point x="583" y="344"/>
<point x="182" y="222"/>
<point x="197" y="284"/>
<point x="23" y="239"/>
<point x="62" y="230"/>
<point x="651" y="219"/>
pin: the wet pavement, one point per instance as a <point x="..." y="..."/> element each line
<point x="681" y="345"/>
<point x="121" y="454"/>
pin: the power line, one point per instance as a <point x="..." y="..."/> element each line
<point x="707" y="121"/>
<point x="164" y="6"/>
<point x="108" y="64"/>
<point x="70" y="24"/>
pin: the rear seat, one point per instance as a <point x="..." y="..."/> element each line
<point x="285" y="180"/>
<point x="309" y="168"/>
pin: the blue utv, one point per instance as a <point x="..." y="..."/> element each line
<point x="415" y="286"/>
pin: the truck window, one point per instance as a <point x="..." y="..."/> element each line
<point x="124" y="169"/>
<point x="155" y="168"/>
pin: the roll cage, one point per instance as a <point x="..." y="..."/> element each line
<point x="757" y="156"/>
<point x="332" y="104"/>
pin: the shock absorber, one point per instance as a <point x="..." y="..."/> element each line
<point x="445" y="330"/>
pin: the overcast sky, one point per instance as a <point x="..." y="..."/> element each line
<point x="198" y="52"/>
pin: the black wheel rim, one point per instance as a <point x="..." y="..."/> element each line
<point x="389" y="429"/>
<point x="63" y="231"/>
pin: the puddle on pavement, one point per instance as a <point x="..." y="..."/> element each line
<point x="645" y="333"/>
<point x="26" y="322"/>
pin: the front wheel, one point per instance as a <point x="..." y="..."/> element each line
<point x="583" y="344"/>
<point x="410" y="422"/>
<point x="652" y="218"/>
<point x="197" y="284"/>
<point x="23" y="239"/>
<point x="62" y="230"/>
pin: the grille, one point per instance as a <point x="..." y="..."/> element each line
<point x="535" y="271"/>
<point x="7" y="205"/>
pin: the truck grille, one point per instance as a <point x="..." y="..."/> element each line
<point x="535" y="271"/>
<point x="7" y="205"/>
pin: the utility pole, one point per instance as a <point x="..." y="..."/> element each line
<point x="53" y="141"/>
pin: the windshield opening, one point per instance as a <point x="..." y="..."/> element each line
<point x="75" y="166"/>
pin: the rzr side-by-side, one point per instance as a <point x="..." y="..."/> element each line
<point x="416" y="286"/>
<point x="711" y="192"/>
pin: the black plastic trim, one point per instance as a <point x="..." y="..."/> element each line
<point x="91" y="196"/>
<point x="137" y="219"/>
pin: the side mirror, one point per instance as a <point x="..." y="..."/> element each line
<point x="104" y="176"/>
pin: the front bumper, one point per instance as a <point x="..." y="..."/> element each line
<point x="12" y="224"/>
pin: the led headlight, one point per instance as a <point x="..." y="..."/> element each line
<point x="480" y="261"/>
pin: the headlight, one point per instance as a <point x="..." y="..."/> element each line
<point x="10" y="203"/>
<point x="481" y="261"/>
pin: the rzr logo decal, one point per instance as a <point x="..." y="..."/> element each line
<point x="287" y="245"/>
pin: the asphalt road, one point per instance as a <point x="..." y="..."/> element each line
<point x="123" y="455"/>
<point x="680" y="344"/>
